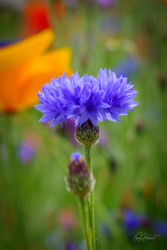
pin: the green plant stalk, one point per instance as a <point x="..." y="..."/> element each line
<point x="15" y="187"/>
<point x="85" y="222"/>
<point x="91" y="201"/>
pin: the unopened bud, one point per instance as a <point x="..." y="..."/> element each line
<point x="80" y="181"/>
<point x="87" y="134"/>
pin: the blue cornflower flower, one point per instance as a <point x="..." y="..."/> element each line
<point x="86" y="98"/>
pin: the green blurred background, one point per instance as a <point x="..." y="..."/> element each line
<point x="130" y="162"/>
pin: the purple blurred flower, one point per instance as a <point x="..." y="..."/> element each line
<point x="103" y="138"/>
<point x="127" y="67"/>
<point x="87" y="97"/>
<point x="160" y="228"/>
<point x="132" y="221"/>
<point x="5" y="42"/>
<point x="28" y="147"/>
<point x="26" y="152"/>
<point x="70" y="245"/>
<point x="106" y="3"/>
<point x="102" y="3"/>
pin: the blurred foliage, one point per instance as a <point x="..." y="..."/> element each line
<point x="130" y="168"/>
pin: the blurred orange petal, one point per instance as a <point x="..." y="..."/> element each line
<point x="25" y="74"/>
<point x="26" y="49"/>
<point x="28" y="95"/>
<point x="43" y="69"/>
<point x="56" y="60"/>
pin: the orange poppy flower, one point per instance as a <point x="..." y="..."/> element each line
<point x="23" y="69"/>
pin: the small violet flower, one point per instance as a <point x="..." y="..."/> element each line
<point x="105" y="3"/>
<point x="83" y="98"/>
<point x="131" y="220"/>
<point x="28" y="148"/>
<point x="26" y="152"/>
<point x="128" y="67"/>
<point x="160" y="227"/>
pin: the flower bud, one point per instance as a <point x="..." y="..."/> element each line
<point x="87" y="134"/>
<point x="80" y="181"/>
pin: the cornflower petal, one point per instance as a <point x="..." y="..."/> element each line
<point x="82" y="98"/>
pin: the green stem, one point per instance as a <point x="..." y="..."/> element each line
<point x="14" y="175"/>
<point x="84" y="222"/>
<point x="91" y="201"/>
